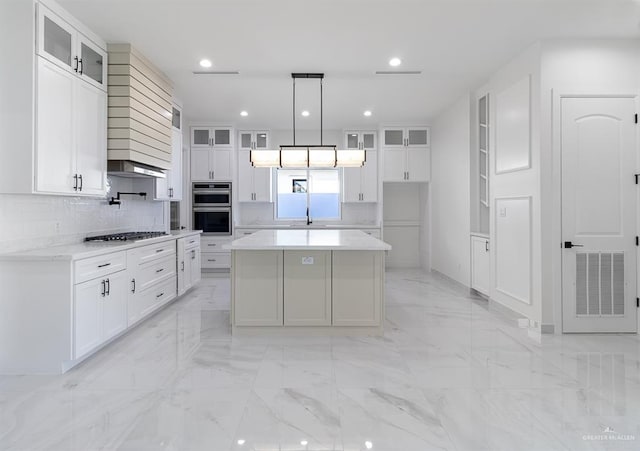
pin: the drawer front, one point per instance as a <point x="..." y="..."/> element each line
<point x="90" y="268"/>
<point x="141" y="255"/>
<point x="145" y="303"/>
<point x="214" y="260"/>
<point x="192" y="242"/>
<point x="155" y="271"/>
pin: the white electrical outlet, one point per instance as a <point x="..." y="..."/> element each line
<point x="307" y="260"/>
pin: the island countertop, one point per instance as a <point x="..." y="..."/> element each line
<point x="337" y="240"/>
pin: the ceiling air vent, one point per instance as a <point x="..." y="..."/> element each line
<point x="398" y="72"/>
<point x="216" y="72"/>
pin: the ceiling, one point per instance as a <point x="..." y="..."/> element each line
<point x="457" y="44"/>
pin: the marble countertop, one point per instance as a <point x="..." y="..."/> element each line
<point x="88" y="249"/>
<point x="355" y="240"/>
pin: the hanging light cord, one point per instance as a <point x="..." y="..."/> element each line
<point x="321" y="111"/>
<point x="294" y="111"/>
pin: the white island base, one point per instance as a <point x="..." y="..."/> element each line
<point x="307" y="282"/>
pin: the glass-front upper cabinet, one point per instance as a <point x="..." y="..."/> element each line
<point x="360" y="140"/>
<point x="250" y="140"/>
<point x="406" y="137"/>
<point x="211" y="137"/>
<point x="63" y="45"/>
<point x="92" y="62"/>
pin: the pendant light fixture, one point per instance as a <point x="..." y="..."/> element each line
<point x="307" y="155"/>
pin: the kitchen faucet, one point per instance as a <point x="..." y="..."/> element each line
<point x="309" y="221"/>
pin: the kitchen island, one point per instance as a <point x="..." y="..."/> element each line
<point x="307" y="282"/>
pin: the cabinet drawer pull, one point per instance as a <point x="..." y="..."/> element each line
<point x="104" y="288"/>
<point x="80" y="66"/>
<point x="211" y="259"/>
<point x="159" y="250"/>
<point x="192" y="241"/>
<point x="80" y="176"/>
<point x="103" y="265"/>
<point x="159" y="270"/>
<point x="108" y="287"/>
<point x="160" y="295"/>
<point x="133" y="289"/>
<point x="182" y="267"/>
<point x="212" y="244"/>
<point x="75" y="185"/>
<point x="75" y="60"/>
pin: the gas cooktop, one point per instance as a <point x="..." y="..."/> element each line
<point x="127" y="236"/>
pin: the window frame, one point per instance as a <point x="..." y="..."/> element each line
<point x="276" y="218"/>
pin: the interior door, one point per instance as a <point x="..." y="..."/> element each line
<point x="598" y="149"/>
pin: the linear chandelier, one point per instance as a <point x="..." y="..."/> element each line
<point x="307" y="155"/>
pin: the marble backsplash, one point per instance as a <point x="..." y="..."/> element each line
<point x="31" y="221"/>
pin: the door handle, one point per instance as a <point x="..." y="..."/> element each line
<point x="133" y="288"/>
<point x="569" y="245"/>
<point x="486" y="245"/>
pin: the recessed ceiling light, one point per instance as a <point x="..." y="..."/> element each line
<point x="395" y="62"/>
<point x="205" y="63"/>
<point x="367" y="113"/>
<point x="305" y="113"/>
<point x="244" y="114"/>
<point x="304" y="442"/>
<point x="241" y="442"/>
<point x="368" y="444"/>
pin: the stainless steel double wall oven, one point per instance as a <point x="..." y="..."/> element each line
<point x="212" y="208"/>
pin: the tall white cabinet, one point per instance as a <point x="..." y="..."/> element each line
<point x="407" y="154"/>
<point x="361" y="184"/>
<point x="170" y="188"/>
<point x="59" y="103"/>
<point x="254" y="184"/>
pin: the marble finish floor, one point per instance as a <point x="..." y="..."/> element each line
<point x="450" y="373"/>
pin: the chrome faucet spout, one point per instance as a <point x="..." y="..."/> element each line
<point x="309" y="221"/>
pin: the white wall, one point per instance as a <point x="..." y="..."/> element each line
<point x="587" y="66"/>
<point x="514" y="152"/>
<point x="450" y="201"/>
<point x="32" y="221"/>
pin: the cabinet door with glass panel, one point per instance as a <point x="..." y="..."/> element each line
<point x="211" y="137"/>
<point x="406" y="137"/>
<point x="251" y="140"/>
<point x="63" y="45"/>
<point x="360" y="140"/>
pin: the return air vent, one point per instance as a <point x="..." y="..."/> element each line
<point x="398" y="72"/>
<point x="599" y="283"/>
<point x="216" y="72"/>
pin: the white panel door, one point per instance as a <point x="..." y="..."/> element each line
<point x="200" y="169"/>
<point x="87" y="316"/>
<point x="418" y="162"/>
<point x="395" y="165"/>
<point x="222" y="164"/>
<point x="114" y="306"/>
<point x="598" y="214"/>
<point x="369" y="177"/>
<point x="91" y="140"/>
<point x="245" y="176"/>
<point x="54" y="129"/>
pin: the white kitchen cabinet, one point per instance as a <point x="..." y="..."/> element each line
<point x="206" y="137"/>
<point x="189" y="271"/>
<point x="254" y="184"/>
<point x="480" y="264"/>
<point x="62" y="44"/>
<point x="307" y="288"/>
<point x="211" y="164"/>
<point x="360" y="140"/>
<point x="251" y="140"/>
<point x="361" y="184"/>
<point x="407" y="165"/>
<point x="400" y="137"/>
<point x="213" y="256"/>
<point x="153" y="282"/>
<point x="70" y="134"/>
<point x="170" y="188"/>
<point x="258" y="288"/>
<point x="357" y="288"/>
<point x="100" y="311"/>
